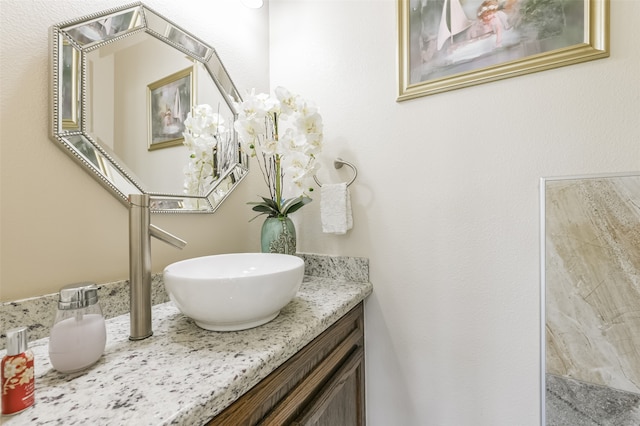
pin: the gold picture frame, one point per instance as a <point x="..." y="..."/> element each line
<point x="441" y="47"/>
<point x="169" y="100"/>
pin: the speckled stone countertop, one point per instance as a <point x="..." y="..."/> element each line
<point x="575" y="403"/>
<point x="182" y="374"/>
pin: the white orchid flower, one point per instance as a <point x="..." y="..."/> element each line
<point x="284" y="132"/>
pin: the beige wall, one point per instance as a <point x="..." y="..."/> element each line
<point x="58" y="225"/>
<point x="446" y="205"/>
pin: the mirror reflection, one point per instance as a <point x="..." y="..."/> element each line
<point x="591" y="300"/>
<point x="124" y="83"/>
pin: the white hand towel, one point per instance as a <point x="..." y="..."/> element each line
<point x="335" y="208"/>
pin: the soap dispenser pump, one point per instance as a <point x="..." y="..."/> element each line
<point x="78" y="336"/>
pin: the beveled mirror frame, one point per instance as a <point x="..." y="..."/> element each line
<point x="68" y="126"/>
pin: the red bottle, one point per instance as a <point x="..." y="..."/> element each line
<point x="18" y="384"/>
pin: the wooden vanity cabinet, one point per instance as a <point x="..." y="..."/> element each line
<point x="322" y="384"/>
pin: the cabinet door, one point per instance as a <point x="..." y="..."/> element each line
<point x="332" y="394"/>
<point x="289" y="391"/>
<point x="341" y="401"/>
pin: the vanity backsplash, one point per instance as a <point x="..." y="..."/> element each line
<point x="37" y="313"/>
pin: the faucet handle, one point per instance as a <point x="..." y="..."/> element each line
<point x="166" y="237"/>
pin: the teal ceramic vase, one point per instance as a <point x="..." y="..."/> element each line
<point x="278" y="235"/>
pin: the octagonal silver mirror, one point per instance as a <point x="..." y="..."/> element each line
<point x="123" y="83"/>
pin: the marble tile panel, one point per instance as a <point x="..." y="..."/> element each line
<point x="593" y="281"/>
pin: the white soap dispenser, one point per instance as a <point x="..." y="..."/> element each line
<point x="78" y="335"/>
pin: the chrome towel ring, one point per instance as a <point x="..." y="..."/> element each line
<point x="338" y="163"/>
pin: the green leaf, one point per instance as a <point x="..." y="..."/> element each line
<point x="271" y="208"/>
<point x="255" y="217"/>
<point x="294" y="204"/>
<point x="266" y="206"/>
<point x="272" y="203"/>
<point x="262" y="208"/>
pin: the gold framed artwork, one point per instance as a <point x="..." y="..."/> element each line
<point x="169" y="100"/>
<point x="451" y="44"/>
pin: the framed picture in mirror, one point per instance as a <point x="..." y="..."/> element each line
<point x="169" y="101"/>
<point x="451" y="44"/>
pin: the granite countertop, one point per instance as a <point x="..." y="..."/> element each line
<point x="182" y="374"/>
<point x="573" y="402"/>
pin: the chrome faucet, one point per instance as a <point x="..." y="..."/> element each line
<point x="140" y="233"/>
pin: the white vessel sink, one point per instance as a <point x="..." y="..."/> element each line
<point x="228" y="292"/>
